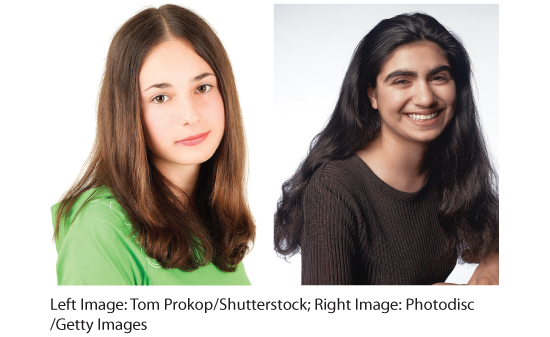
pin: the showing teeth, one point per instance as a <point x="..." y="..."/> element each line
<point x="423" y="117"/>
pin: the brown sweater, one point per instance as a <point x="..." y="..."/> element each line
<point x="359" y="230"/>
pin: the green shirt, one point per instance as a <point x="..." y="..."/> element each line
<point x="98" y="249"/>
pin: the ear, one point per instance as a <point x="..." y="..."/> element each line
<point x="371" y="92"/>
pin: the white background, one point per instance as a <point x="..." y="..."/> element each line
<point x="52" y="59"/>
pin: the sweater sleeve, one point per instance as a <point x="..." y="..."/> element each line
<point x="98" y="250"/>
<point x="327" y="244"/>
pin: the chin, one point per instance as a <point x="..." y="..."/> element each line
<point x="426" y="137"/>
<point x="199" y="159"/>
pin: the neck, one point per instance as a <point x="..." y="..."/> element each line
<point x="399" y="163"/>
<point x="183" y="176"/>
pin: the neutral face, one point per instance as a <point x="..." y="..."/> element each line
<point x="415" y="93"/>
<point x="182" y="108"/>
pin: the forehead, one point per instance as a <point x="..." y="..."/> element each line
<point x="417" y="57"/>
<point x="172" y="58"/>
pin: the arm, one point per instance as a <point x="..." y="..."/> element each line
<point x="487" y="271"/>
<point x="98" y="251"/>
<point x="327" y="246"/>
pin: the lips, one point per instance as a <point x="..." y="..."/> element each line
<point x="194" y="140"/>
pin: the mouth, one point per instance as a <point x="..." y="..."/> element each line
<point x="194" y="140"/>
<point x="423" y="116"/>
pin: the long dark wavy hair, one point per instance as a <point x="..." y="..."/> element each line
<point x="465" y="178"/>
<point x="213" y="225"/>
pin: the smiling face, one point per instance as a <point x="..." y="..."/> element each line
<point x="415" y="93"/>
<point x="182" y="107"/>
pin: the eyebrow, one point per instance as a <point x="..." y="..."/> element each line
<point x="409" y="73"/>
<point x="201" y="76"/>
<point x="159" y="85"/>
<point x="168" y="85"/>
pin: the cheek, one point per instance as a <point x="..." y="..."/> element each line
<point x="391" y="103"/>
<point x="214" y="113"/>
<point x="157" y="128"/>
<point x="448" y="95"/>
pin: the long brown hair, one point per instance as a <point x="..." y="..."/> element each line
<point x="213" y="225"/>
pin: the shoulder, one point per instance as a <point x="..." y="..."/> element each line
<point x="338" y="177"/>
<point x="99" y="216"/>
<point x="95" y="244"/>
<point x="95" y="196"/>
<point x="333" y="193"/>
<point x="96" y="215"/>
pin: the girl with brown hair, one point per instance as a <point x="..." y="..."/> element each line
<point x="162" y="198"/>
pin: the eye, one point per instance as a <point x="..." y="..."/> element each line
<point x="440" y="78"/>
<point x="401" y="81"/>
<point x="159" y="99"/>
<point x="203" y="88"/>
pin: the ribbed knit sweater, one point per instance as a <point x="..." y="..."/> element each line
<point x="360" y="230"/>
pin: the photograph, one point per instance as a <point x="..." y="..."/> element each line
<point x="161" y="200"/>
<point x="399" y="178"/>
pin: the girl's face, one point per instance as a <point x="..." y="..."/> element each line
<point x="415" y="93"/>
<point x="182" y="108"/>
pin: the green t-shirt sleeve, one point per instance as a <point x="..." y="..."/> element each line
<point x="99" y="250"/>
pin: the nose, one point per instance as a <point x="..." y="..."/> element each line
<point x="189" y="113"/>
<point x="424" y="95"/>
